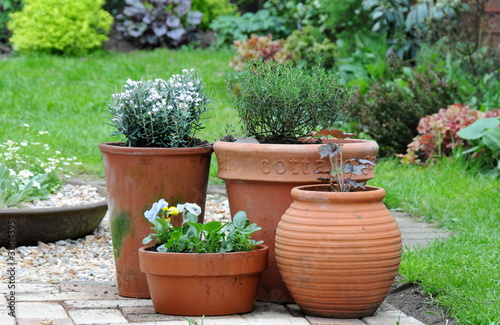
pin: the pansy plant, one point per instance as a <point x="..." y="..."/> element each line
<point x="194" y="237"/>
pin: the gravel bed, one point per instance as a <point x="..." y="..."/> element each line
<point x="84" y="259"/>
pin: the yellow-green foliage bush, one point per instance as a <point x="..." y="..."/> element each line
<point x="212" y="9"/>
<point x="60" y="26"/>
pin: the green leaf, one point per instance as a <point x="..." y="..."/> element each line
<point x="147" y="239"/>
<point x="240" y="219"/>
<point x="492" y="139"/>
<point x="212" y="226"/>
<point x="478" y="128"/>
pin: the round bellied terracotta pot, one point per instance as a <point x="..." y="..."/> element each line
<point x="135" y="179"/>
<point x="196" y="284"/>
<point x="259" y="178"/>
<point x="338" y="252"/>
<point x="28" y="226"/>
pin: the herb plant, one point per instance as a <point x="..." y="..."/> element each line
<point x="280" y="103"/>
<point x="340" y="175"/>
<point x="194" y="237"/>
<point x="159" y="113"/>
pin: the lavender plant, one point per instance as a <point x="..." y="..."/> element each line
<point x="153" y="23"/>
<point x="341" y="175"/>
<point x="159" y="113"/>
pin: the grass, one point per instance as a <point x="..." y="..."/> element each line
<point x="461" y="273"/>
<point x="68" y="97"/>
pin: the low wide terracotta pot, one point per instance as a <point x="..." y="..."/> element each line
<point x="28" y="226"/>
<point x="259" y="178"/>
<point x="135" y="179"/>
<point x="193" y="284"/>
<point x="338" y="253"/>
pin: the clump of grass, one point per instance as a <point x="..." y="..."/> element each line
<point x="461" y="273"/>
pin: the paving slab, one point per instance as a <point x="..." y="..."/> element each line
<point x="330" y="321"/>
<point x="95" y="304"/>
<point x="388" y="315"/>
<point x="96" y="316"/>
<point x="40" y="310"/>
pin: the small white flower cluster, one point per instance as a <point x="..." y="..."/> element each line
<point x="26" y="176"/>
<point x="44" y="161"/>
<point x="148" y="107"/>
<point x="154" y="96"/>
<point x="185" y="90"/>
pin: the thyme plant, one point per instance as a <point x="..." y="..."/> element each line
<point x="159" y="113"/>
<point x="280" y="103"/>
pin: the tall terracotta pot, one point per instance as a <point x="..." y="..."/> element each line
<point x="135" y="179"/>
<point x="338" y="253"/>
<point x="194" y="284"/>
<point x="259" y="178"/>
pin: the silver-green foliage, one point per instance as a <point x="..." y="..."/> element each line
<point x="159" y="113"/>
<point x="15" y="189"/>
<point x="281" y="103"/>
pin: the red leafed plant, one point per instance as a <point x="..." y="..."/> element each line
<point x="438" y="132"/>
<point x="340" y="175"/>
<point x="259" y="47"/>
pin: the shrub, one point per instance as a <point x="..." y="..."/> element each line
<point x="211" y="9"/>
<point x="259" y="47"/>
<point x="60" y="26"/>
<point x="484" y="136"/>
<point x="280" y="103"/>
<point x="6" y="8"/>
<point x="475" y="69"/>
<point x="158" y="23"/>
<point x="296" y="13"/>
<point x="311" y="46"/>
<point x="231" y="28"/>
<point x="406" y="24"/>
<point x="389" y="112"/>
<point x="438" y="133"/>
<point x="367" y="63"/>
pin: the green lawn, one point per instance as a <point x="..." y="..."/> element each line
<point x="68" y="96"/>
<point x="463" y="272"/>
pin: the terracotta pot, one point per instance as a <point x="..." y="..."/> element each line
<point x="26" y="227"/>
<point x="338" y="253"/>
<point x="259" y="178"/>
<point x="135" y="179"/>
<point x="193" y="284"/>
